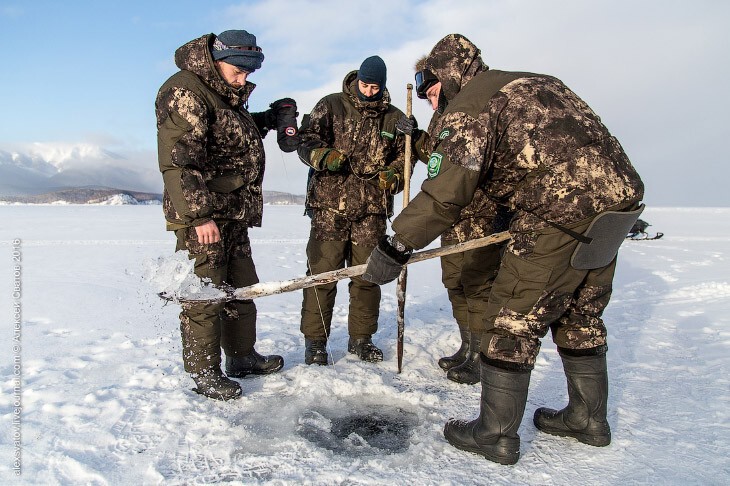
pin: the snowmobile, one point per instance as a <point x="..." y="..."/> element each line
<point x="638" y="232"/>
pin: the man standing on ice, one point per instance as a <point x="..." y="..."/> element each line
<point x="211" y="156"/>
<point x="467" y="276"/>
<point x="536" y="147"/>
<point x="357" y="164"/>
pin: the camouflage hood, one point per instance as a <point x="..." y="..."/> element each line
<point x="455" y="60"/>
<point x="349" y="87"/>
<point x="195" y="57"/>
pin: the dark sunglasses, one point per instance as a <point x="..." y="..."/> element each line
<point x="424" y="80"/>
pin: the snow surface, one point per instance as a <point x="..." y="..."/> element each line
<point x="105" y="399"/>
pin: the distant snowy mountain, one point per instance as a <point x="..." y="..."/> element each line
<point x="116" y="197"/>
<point x="42" y="167"/>
<point x="86" y="195"/>
<point x="45" y="173"/>
<point x="122" y="199"/>
<point x="282" y="198"/>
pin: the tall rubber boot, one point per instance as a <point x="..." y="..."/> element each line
<point x="468" y="371"/>
<point x="448" y="362"/>
<point x="494" y="433"/>
<point x="585" y="416"/>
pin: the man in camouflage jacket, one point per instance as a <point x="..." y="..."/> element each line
<point x="357" y="164"/>
<point x="211" y="156"/>
<point x="534" y="146"/>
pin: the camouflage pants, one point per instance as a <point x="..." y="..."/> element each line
<point x="539" y="290"/>
<point x="333" y="243"/>
<point x="468" y="278"/>
<point x="205" y="328"/>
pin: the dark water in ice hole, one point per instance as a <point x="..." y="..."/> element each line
<point x="364" y="431"/>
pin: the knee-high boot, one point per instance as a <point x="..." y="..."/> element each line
<point x="448" y="362"/>
<point x="585" y="416"/>
<point x="494" y="433"/>
<point x="468" y="371"/>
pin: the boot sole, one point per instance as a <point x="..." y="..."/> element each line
<point x="317" y="362"/>
<point x="446" y="366"/>
<point x="218" y="396"/>
<point x="504" y="460"/>
<point x="591" y="440"/>
<point x="463" y="382"/>
<point x="377" y="359"/>
<point x="243" y="374"/>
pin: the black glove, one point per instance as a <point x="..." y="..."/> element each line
<point x="386" y="261"/>
<point x="406" y="124"/>
<point x="282" y="116"/>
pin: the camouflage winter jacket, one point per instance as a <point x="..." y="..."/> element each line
<point x="210" y="150"/>
<point x="528" y="141"/>
<point x="476" y="219"/>
<point x="365" y="132"/>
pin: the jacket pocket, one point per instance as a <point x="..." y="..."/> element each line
<point x="519" y="284"/>
<point x="226" y="184"/>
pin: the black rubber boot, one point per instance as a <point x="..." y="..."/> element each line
<point x="468" y="371"/>
<point x="213" y="384"/>
<point x="253" y="364"/>
<point x="315" y="352"/>
<point x="448" y="362"/>
<point x="585" y="416"/>
<point x="365" y="349"/>
<point x="494" y="433"/>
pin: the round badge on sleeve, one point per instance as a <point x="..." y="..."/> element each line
<point x="434" y="165"/>
<point x="291" y="131"/>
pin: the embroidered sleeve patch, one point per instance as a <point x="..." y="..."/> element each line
<point x="385" y="134"/>
<point x="444" y="133"/>
<point x="434" y="165"/>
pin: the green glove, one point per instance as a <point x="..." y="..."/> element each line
<point x="388" y="179"/>
<point x="327" y="158"/>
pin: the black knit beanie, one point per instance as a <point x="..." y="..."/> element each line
<point x="372" y="71"/>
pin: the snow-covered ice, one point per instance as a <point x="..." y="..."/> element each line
<point x="105" y="399"/>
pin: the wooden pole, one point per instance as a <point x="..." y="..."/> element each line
<point x="272" y="288"/>
<point x="403" y="277"/>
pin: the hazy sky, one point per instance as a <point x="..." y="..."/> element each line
<point x="83" y="72"/>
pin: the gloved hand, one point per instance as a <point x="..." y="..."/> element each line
<point x="388" y="179"/>
<point x="327" y="158"/>
<point x="386" y="261"/>
<point x="282" y="116"/>
<point x="271" y="115"/>
<point x="406" y="124"/>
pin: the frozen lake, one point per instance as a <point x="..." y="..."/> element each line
<point x="105" y="399"/>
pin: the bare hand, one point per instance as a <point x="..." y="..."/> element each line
<point x="208" y="233"/>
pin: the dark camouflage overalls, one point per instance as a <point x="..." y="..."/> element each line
<point x="348" y="209"/>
